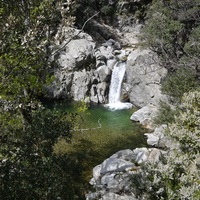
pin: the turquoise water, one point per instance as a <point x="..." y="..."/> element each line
<point x="118" y="120"/>
<point x="113" y="123"/>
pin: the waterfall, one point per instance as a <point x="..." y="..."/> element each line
<point x="116" y="82"/>
<point x="115" y="88"/>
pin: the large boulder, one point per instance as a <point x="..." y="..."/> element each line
<point x="115" y="165"/>
<point x="80" y="84"/>
<point x="102" y="92"/>
<point x="143" y="78"/>
<point x="104" y="73"/>
<point x="157" y="138"/>
<point x="141" y="155"/>
<point x="76" y="51"/>
<point x="72" y="54"/>
<point x="112" y="179"/>
<point x="126" y="154"/>
<point x="145" y="116"/>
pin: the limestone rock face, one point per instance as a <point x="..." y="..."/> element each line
<point x="84" y="71"/>
<point x="75" y="61"/>
<point x="115" y="165"/>
<point x="76" y="54"/>
<point x="143" y="78"/>
<point x="126" y="154"/>
<point x="141" y="155"/>
<point x="83" y="68"/>
<point x="81" y="81"/>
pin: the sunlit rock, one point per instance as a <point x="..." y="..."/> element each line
<point x="157" y="138"/>
<point x="145" y="116"/>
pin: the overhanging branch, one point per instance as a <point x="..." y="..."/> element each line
<point x="64" y="45"/>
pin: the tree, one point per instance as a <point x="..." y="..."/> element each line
<point x="172" y="31"/>
<point x="25" y="42"/>
<point x="28" y="165"/>
<point x="29" y="168"/>
<point x="169" y="30"/>
<point x="181" y="81"/>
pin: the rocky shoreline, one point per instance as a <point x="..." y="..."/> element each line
<point x="112" y="179"/>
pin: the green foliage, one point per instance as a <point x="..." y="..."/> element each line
<point x="172" y="30"/>
<point x="24" y="50"/>
<point x="81" y="106"/>
<point x="28" y="165"/>
<point x="183" y="160"/>
<point x="179" y="82"/>
<point x="192" y="50"/>
<point x="178" y="175"/>
<point x="140" y="13"/>
<point x="165" y="114"/>
<point x="161" y="29"/>
<point x="107" y="10"/>
<point x="192" y="46"/>
<point x="83" y="9"/>
<point x="29" y="168"/>
<point x="82" y="112"/>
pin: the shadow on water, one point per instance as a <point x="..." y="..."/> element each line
<point x="88" y="154"/>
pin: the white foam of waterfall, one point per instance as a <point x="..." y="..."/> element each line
<point x="116" y="82"/>
<point x="115" y="88"/>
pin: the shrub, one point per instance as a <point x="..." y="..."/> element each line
<point x="165" y="114"/>
<point x="107" y="10"/>
<point x="179" y="82"/>
<point x="178" y="175"/>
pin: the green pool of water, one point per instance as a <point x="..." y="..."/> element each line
<point x="91" y="147"/>
<point x="116" y="126"/>
<point x="117" y="121"/>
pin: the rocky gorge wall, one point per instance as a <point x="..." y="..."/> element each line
<point x="85" y="67"/>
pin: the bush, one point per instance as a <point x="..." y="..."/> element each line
<point x="177" y="176"/>
<point x="181" y="81"/>
<point x="165" y="114"/>
<point x="107" y="10"/>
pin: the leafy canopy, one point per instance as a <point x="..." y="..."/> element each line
<point x="28" y="130"/>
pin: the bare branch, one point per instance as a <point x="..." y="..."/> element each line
<point x="88" y="129"/>
<point x="64" y="45"/>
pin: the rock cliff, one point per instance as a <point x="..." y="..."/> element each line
<point x="85" y="66"/>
